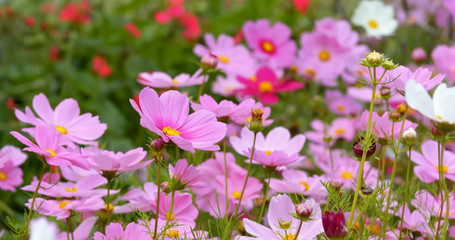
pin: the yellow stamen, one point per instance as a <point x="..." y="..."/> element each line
<point x="445" y="169"/>
<point x="170" y="218"/>
<point x="347" y="175"/>
<point x="268" y="152"/>
<point x="111" y="207"/>
<point x="50" y="151"/>
<point x="173" y="233"/>
<point x="236" y="195"/>
<point x="267" y="47"/>
<point x="253" y="78"/>
<point x="289" y="236"/>
<point x="310" y="72"/>
<point x="71" y="189"/>
<point x="340" y="131"/>
<point x="439" y="117"/>
<point x="223" y="59"/>
<point x="265" y="87"/>
<point x="373" y="24"/>
<point x="175" y="81"/>
<point x="305" y="184"/>
<point x="170" y="131"/>
<point x="62" y="204"/>
<point x="340" y="108"/>
<point x="294" y="68"/>
<point x="3" y="176"/>
<point x="61" y="129"/>
<point x="324" y="55"/>
<point x="248" y="119"/>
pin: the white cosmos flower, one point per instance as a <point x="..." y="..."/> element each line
<point x="439" y="108"/>
<point x="376" y="17"/>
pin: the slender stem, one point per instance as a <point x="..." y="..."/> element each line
<point x="247" y="176"/>
<point x="34" y="197"/>
<point x="50" y="174"/>
<point x="68" y="228"/>
<point x="157" y="195"/>
<point x="381" y="158"/>
<point x="201" y="88"/>
<point x="440" y="189"/>
<point x="264" y="199"/>
<point x="446" y="191"/>
<point x="226" y="177"/>
<point x="298" y="230"/>
<point x="397" y="149"/>
<point x="327" y="205"/>
<point x="406" y="189"/>
<point x="169" y="214"/>
<point x="108" y="205"/>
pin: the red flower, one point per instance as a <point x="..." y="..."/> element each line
<point x="54" y="54"/>
<point x="101" y="67"/>
<point x="30" y="21"/>
<point x="76" y="12"/>
<point x="176" y="11"/>
<point x="238" y="38"/>
<point x="10" y="103"/>
<point x="301" y="5"/>
<point x="133" y="30"/>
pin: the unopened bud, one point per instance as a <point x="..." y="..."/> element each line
<point x="385" y="93"/>
<point x="284" y="224"/>
<point x="327" y="139"/>
<point x="303" y="210"/>
<point x="395" y="117"/>
<point x="389" y="65"/>
<point x="410" y="136"/>
<point x="256" y="123"/>
<point x="367" y="190"/>
<point x="157" y="144"/>
<point x="165" y="187"/>
<point x="418" y="55"/>
<point x="358" y="147"/>
<point x="374" y="59"/>
<point x="336" y="185"/>
<point x="209" y="61"/>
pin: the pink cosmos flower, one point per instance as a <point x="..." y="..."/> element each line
<point x="232" y="59"/>
<point x="270" y="43"/>
<point x="65" y="119"/>
<point x="225" y="108"/>
<point x="163" y="80"/>
<point x="133" y="30"/>
<point x="132" y="231"/>
<point x="73" y="173"/>
<point x="48" y="145"/>
<point x="168" y="117"/>
<point x="444" y="59"/>
<point x="245" y="121"/>
<point x="143" y="200"/>
<point x="187" y="176"/>
<point x="346" y="170"/>
<point x="414" y="221"/>
<point x="429" y="205"/>
<point x="383" y="125"/>
<point x="427" y="169"/>
<point x="226" y="86"/>
<point x="266" y="85"/>
<point x="342" y="104"/>
<point x="364" y="95"/>
<point x="277" y="149"/>
<point x="339" y="128"/>
<point x="62" y="209"/>
<point x="183" y="212"/>
<point x="279" y="210"/>
<point x="10" y="172"/>
<point x="108" y="161"/>
<point x="295" y="181"/>
<point x="82" y="232"/>
<point x="422" y="76"/>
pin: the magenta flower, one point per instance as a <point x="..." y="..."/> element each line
<point x="334" y="225"/>
<point x="266" y="85"/>
<point x="65" y="119"/>
<point x="232" y="59"/>
<point x="383" y="125"/>
<point x="62" y="209"/>
<point x="183" y="212"/>
<point x="184" y="175"/>
<point x="10" y="172"/>
<point x="270" y="43"/>
<point x="108" y="161"/>
<point x="346" y="169"/>
<point x="444" y="59"/>
<point x="49" y="146"/>
<point x="225" y="108"/>
<point x="168" y="117"/>
<point x="279" y="210"/>
<point x="277" y="149"/>
<point x="422" y="76"/>
<point x="299" y="182"/>
<point x="342" y="104"/>
<point x="143" y="200"/>
<point x="427" y="169"/>
<point x="132" y="231"/>
<point x="163" y="80"/>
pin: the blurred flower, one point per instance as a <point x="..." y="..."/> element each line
<point x="421" y="76"/>
<point x="163" y="80"/>
<point x="414" y="221"/>
<point x="82" y="231"/>
<point x="54" y="53"/>
<point x="133" y="30"/>
<point x="64" y="120"/>
<point x="383" y="126"/>
<point x="295" y="181"/>
<point x="427" y="169"/>
<point x="111" y="162"/>
<point x="101" y="67"/>
<point x="359" y="145"/>
<point x="444" y="59"/>
<point x="334" y="225"/>
<point x="209" y="61"/>
<point x="266" y="85"/>
<point x="41" y="228"/>
<point x="301" y="5"/>
<point x="132" y="231"/>
<point x="418" y="55"/>
<point x="225" y="108"/>
<point x="10" y="172"/>
<point x="29" y="20"/>
<point x="143" y="200"/>
<point x="376" y="18"/>
<point x="167" y="115"/>
<point x="342" y="104"/>
<point x="76" y="12"/>
<point x="62" y="209"/>
<point x="279" y="209"/>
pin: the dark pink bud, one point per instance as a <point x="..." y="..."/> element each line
<point x="334" y="225"/>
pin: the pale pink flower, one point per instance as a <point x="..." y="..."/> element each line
<point x="62" y="209"/>
<point x="414" y="221"/>
<point x="108" y="161"/>
<point x="132" y="231"/>
<point x="444" y="59"/>
<point x="163" y="80"/>
<point x="422" y="76"/>
<point x="245" y="121"/>
<point x="383" y="126"/>
<point x="226" y="86"/>
<point x="168" y="116"/>
<point x="427" y="169"/>
<point x="143" y="200"/>
<point x="187" y="176"/>
<point x="82" y="232"/>
<point x="183" y="212"/>
<point x="10" y="172"/>
<point x="295" y="181"/>
<point x="65" y="119"/>
<point x="225" y="108"/>
<point x="342" y="104"/>
<point x="346" y="170"/>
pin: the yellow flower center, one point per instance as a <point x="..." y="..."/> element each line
<point x="173" y="233"/>
<point x="170" y="131"/>
<point x="347" y="175"/>
<point x="170" y="218"/>
<point x="236" y="195"/>
<point x="340" y="131"/>
<point x="268" y="152"/>
<point x="265" y="87"/>
<point x="175" y="81"/>
<point x="111" y="207"/>
<point x="267" y="47"/>
<point x="223" y="59"/>
<point x="62" y="204"/>
<point x="341" y="107"/>
<point x="253" y="78"/>
<point x="445" y="169"/>
<point x="305" y="184"/>
<point x="453" y="69"/>
<point x="3" y="176"/>
<point x="71" y="189"/>
<point x="51" y="152"/>
<point x="248" y="119"/>
<point x="324" y="55"/>
<point x="289" y="236"/>
<point x="373" y="24"/>
<point x="439" y="117"/>
<point x="61" y="129"/>
<point x="294" y="68"/>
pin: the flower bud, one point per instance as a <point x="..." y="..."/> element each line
<point x="303" y="210"/>
<point x="284" y="224"/>
<point x="358" y="147"/>
<point x="209" y="61"/>
<point x="395" y="117"/>
<point x="410" y="136"/>
<point x="157" y="144"/>
<point x="256" y="123"/>
<point x="334" y="225"/>
<point x="385" y="93"/>
<point x="389" y="65"/>
<point x="336" y="185"/>
<point x="165" y="187"/>
<point x="366" y="190"/>
<point x="374" y="59"/>
<point x="418" y="55"/>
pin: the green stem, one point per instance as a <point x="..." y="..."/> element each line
<point x="247" y="176"/>
<point x="264" y="199"/>
<point x="169" y="215"/>
<point x="157" y="195"/>
<point x="34" y="197"/>
<point x="405" y="190"/>
<point x="444" y="187"/>
<point x="298" y="230"/>
<point x="108" y="205"/>
<point x="327" y="205"/>
<point x="226" y="177"/>
<point x="381" y="158"/>
<point x="201" y="88"/>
